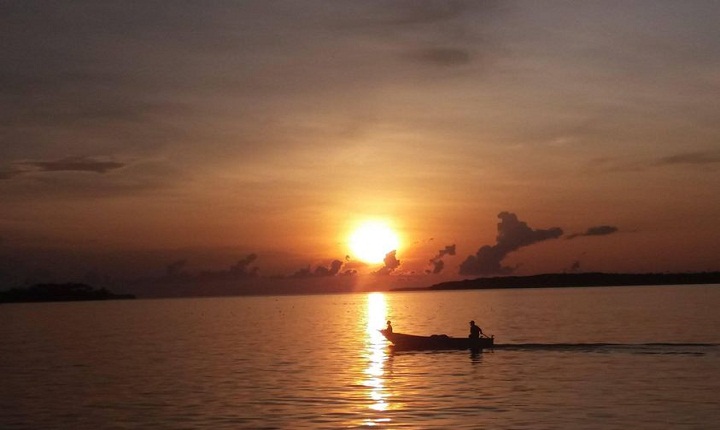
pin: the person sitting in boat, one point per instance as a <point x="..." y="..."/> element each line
<point x="388" y="329"/>
<point x="475" y="331"/>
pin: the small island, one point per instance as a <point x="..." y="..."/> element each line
<point x="59" y="293"/>
<point x="569" y="280"/>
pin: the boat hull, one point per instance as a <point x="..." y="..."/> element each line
<point x="436" y="342"/>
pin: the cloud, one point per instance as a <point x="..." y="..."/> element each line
<point x="513" y="234"/>
<point x="321" y="271"/>
<point x="449" y="250"/>
<point x="697" y="158"/>
<point x="176" y="272"/>
<point x="305" y="272"/>
<point x="437" y="263"/>
<point x="391" y="263"/>
<point x="693" y="158"/>
<point x="74" y="164"/>
<point x="601" y="230"/>
<point x="242" y="266"/>
<point x="438" y="266"/>
<point x="67" y="164"/>
<point x="240" y="270"/>
<point x="331" y="271"/>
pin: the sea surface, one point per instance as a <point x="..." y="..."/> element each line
<point x="572" y="358"/>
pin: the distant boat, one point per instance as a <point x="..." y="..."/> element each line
<point x="436" y="341"/>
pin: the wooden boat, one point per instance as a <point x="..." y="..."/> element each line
<point x="436" y="341"/>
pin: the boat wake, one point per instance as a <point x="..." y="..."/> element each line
<point x="638" y="348"/>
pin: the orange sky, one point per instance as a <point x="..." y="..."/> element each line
<point x="137" y="136"/>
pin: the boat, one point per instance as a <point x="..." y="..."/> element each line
<point x="436" y="341"/>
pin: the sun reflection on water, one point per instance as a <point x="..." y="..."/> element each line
<point x="376" y="317"/>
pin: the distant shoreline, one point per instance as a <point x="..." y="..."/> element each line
<point x="70" y="292"/>
<point x="574" y="280"/>
<point x="67" y="292"/>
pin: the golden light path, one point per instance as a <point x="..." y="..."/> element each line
<point x="377" y="312"/>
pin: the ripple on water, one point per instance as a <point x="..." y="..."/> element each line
<point x="312" y="362"/>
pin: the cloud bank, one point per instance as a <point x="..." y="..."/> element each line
<point x="320" y="271"/>
<point x="243" y="269"/>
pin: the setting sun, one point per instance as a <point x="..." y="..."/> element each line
<point x="372" y="240"/>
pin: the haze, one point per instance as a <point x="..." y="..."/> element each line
<point x="234" y="140"/>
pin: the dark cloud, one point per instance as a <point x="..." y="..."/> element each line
<point x="321" y="271"/>
<point x="175" y="272"/>
<point x="449" y="250"/>
<point x="74" y="164"/>
<point x="601" y="230"/>
<point x="513" y="234"/>
<point x="707" y="157"/>
<point x="331" y="271"/>
<point x="67" y="164"/>
<point x="442" y="56"/>
<point x="139" y="177"/>
<point x="243" y="269"/>
<point x="305" y="272"/>
<point x="391" y="263"/>
<point x="437" y="261"/>
<point x="437" y="266"/>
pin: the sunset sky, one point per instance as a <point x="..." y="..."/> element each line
<point x="146" y="139"/>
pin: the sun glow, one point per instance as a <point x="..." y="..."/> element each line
<point x="372" y="240"/>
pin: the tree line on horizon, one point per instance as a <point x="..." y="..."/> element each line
<point x="589" y="279"/>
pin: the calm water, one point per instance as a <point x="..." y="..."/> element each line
<point x="641" y="358"/>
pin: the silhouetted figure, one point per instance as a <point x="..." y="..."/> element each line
<point x="475" y="331"/>
<point x="389" y="327"/>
